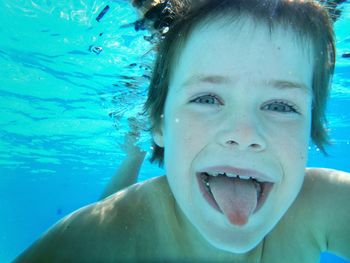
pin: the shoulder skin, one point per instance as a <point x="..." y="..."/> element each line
<point x="108" y="231"/>
<point x="317" y="221"/>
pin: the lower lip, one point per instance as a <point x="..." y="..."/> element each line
<point x="266" y="189"/>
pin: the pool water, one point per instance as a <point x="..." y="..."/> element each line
<point x="68" y="84"/>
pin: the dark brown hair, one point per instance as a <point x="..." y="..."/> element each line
<point x="307" y="19"/>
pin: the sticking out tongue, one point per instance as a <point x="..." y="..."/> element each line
<point x="236" y="198"/>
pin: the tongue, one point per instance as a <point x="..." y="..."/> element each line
<point x="237" y="198"/>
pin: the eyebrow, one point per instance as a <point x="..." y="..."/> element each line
<point x="287" y="84"/>
<point x="218" y="79"/>
<point x="211" y="79"/>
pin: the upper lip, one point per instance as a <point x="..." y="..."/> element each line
<point x="262" y="177"/>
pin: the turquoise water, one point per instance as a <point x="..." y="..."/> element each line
<point x="64" y="106"/>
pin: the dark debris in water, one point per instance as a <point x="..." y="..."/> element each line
<point x="95" y="49"/>
<point x="102" y="13"/>
<point x="346" y="55"/>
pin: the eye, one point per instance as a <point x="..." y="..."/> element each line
<point x="280" y="106"/>
<point x="207" y="99"/>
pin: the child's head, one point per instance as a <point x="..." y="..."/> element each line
<point x="237" y="88"/>
<point x="306" y="18"/>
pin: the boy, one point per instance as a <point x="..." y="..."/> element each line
<point x="237" y="89"/>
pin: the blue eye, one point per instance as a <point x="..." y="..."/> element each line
<point x="207" y="99"/>
<point x="280" y="106"/>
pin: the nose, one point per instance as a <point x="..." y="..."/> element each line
<point x="243" y="133"/>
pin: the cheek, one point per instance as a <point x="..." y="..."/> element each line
<point x="293" y="142"/>
<point x="184" y="139"/>
<point x="182" y="128"/>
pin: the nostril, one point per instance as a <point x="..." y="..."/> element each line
<point x="251" y="146"/>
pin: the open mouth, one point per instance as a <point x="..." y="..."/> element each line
<point x="236" y="196"/>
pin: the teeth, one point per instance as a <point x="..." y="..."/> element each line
<point x="232" y="175"/>
<point x="216" y="174"/>
<point x="205" y="180"/>
<point x="222" y="174"/>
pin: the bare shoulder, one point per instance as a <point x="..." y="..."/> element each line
<point x="327" y="174"/>
<point x="317" y="221"/>
<point x="327" y="193"/>
<point x="102" y="232"/>
<point x="325" y="190"/>
<point x="326" y="187"/>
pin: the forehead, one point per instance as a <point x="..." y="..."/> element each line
<point x="221" y="47"/>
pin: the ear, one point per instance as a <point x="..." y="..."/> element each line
<point x="158" y="137"/>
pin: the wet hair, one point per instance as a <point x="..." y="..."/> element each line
<point x="159" y="15"/>
<point x="308" y="19"/>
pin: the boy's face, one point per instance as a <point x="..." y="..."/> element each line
<point x="239" y="102"/>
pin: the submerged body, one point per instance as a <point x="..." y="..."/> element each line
<point x="144" y="224"/>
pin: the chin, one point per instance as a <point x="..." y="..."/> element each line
<point x="238" y="247"/>
<point x="239" y="243"/>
